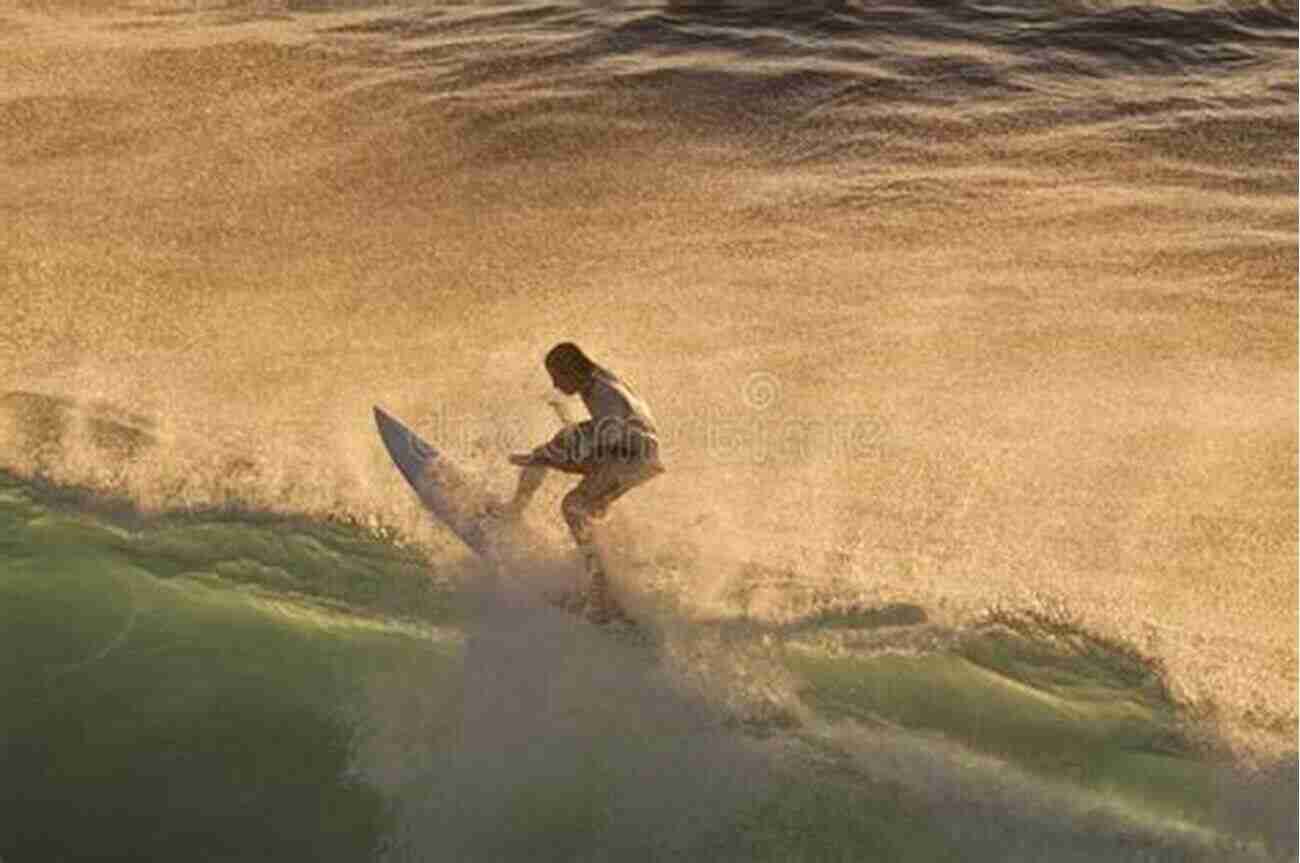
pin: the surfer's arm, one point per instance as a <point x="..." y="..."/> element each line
<point x="561" y="409"/>
<point x="549" y="454"/>
<point x="569" y="451"/>
<point x="528" y="459"/>
<point x="542" y="455"/>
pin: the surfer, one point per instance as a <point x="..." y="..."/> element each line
<point x="614" y="451"/>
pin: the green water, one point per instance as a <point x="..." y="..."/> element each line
<point x="157" y="705"/>
<point x="200" y="686"/>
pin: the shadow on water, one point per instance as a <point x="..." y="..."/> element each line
<point x="563" y="744"/>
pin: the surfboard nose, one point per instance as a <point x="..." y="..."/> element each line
<point x="391" y="429"/>
<point x="392" y="432"/>
<point x="408" y="450"/>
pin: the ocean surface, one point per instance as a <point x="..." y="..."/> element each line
<point x="971" y="332"/>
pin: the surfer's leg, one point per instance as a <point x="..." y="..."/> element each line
<point x="580" y="507"/>
<point x="589" y="502"/>
<point x="578" y="512"/>
<point x="570" y="451"/>
<point x="530" y="480"/>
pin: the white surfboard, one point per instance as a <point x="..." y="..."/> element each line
<point x="455" y="497"/>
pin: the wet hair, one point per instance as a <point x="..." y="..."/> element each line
<point x="567" y="360"/>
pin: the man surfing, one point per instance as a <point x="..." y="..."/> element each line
<point x="614" y="451"/>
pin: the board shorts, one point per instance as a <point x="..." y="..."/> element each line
<point x="613" y="457"/>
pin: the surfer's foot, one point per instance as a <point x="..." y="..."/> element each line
<point x="606" y="613"/>
<point x="601" y="612"/>
<point x="598" y="613"/>
<point x="598" y="599"/>
<point x="599" y="607"/>
<point x="595" y="603"/>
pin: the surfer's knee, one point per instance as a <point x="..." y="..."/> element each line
<point x="577" y="514"/>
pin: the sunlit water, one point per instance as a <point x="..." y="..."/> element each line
<point x="955" y="305"/>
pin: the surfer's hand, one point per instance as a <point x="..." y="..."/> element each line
<point x="523" y="459"/>
<point x="502" y="511"/>
<point x="561" y="409"/>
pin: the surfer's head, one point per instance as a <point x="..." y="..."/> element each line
<point x="569" y="367"/>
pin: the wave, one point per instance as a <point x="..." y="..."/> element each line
<point x="163" y="680"/>
<point x="256" y="670"/>
<point x="964" y="45"/>
<point x="1170" y="34"/>
<point x="850" y="83"/>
